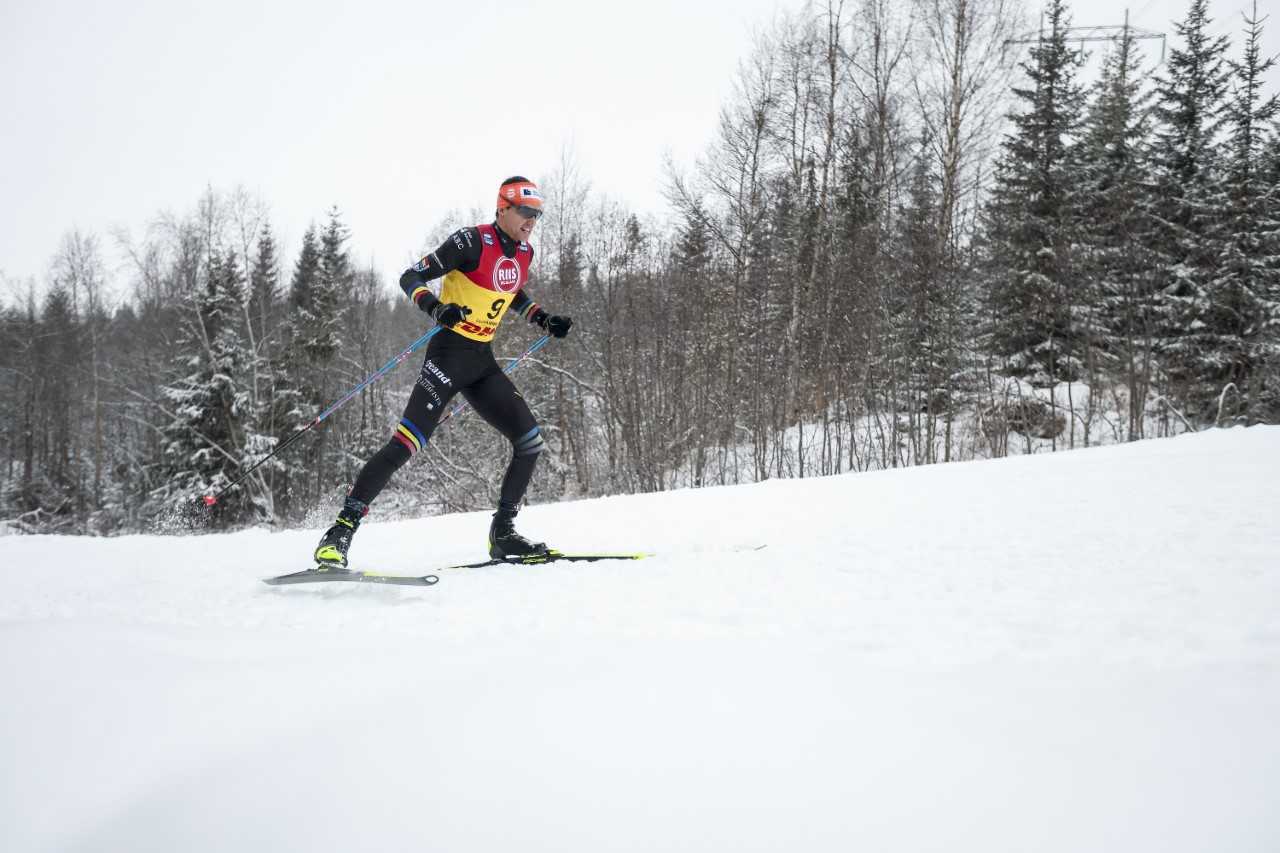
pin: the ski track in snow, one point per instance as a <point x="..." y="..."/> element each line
<point x="1077" y="651"/>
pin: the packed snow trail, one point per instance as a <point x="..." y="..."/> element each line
<point x="1078" y="651"/>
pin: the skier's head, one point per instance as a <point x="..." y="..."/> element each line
<point x="519" y="207"/>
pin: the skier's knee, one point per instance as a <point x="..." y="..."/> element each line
<point x="405" y="441"/>
<point x="529" y="444"/>
<point x="408" y="436"/>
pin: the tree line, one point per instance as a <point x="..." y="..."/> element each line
<point x="913" y="239"/>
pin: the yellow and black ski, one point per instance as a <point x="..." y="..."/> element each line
<point x="325" y="575"/>
<point x="551" y="556"/>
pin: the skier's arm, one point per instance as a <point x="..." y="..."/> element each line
<point x="524" y="306"/>
<point x="535" y="314"/>
<point x="460" y="252"/>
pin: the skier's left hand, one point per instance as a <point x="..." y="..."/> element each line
<point x="558" y="326"/>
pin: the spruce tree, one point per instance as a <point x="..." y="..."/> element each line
<point x="212" y="419"/>
<point x="59" y="356"/>
<point x="1033" y="217"/>
<point x="272" y="392"/>
<point x="1269" y="393"/>
<point x="1115" y="229"/>
<point x="297" y="396"/>
<point x="334" y="284"/>
<point x="1187" y="205"/>
<point x="299" y="384"/>
<point x="918" y="314"/>
<point x="48" y="485"/>
<point x="1243" y="309"/>
<point x="318" y="299"/>
<point x="692" y="250"/>
<point x="570" y="266"/>
<point x="312" y="320"/>
<point x="264" y="285"/>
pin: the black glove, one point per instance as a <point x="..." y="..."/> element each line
<point x="556" y="325"/>
<point x="447" y="313"/>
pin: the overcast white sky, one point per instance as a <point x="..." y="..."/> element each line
<point x="397" y="112"/>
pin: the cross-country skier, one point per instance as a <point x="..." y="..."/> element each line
<point x="485" y="269"/>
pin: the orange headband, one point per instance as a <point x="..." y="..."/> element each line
<point x="514" y="195"/>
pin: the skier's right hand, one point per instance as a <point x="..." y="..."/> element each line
<point x="447" y="313"/>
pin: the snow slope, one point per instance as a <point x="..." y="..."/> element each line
<point x="1054" y="653"/>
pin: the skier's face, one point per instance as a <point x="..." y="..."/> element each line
<point x="516" y="224"/>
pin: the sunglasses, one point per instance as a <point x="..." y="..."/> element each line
<point x="526" y="211"/>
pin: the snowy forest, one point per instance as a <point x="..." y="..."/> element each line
<point x="915" y="238"/>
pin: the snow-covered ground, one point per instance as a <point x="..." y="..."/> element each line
<point x="1075" y="652"/>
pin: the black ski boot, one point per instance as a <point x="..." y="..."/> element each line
<point x="505" y="542"/>
<point x="331" y="553"/>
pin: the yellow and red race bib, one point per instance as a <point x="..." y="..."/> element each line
<point x="489" y="288"/>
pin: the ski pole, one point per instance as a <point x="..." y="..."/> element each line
<point x="511" y="365"/>
<point x="212" y="499"/>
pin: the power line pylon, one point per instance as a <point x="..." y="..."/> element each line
<point x="1084" y="34"/>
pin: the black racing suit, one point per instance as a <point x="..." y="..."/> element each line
<point x="457" y="364"/>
